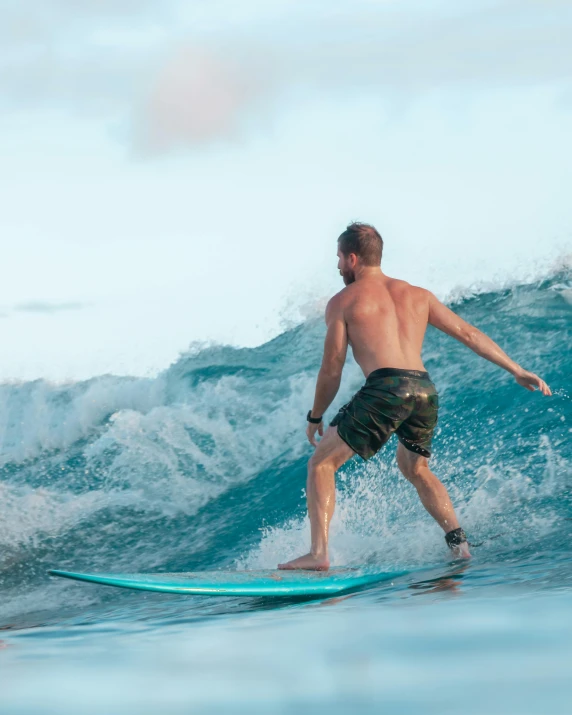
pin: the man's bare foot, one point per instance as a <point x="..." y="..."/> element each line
<point x="462" y="551"/>
<point x="309" y="562"/>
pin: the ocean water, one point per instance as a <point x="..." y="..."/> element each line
<point x="203" y="467"/>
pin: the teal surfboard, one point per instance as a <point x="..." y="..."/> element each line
<point x="240" y="583"/>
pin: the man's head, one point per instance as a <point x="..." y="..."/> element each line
<point x="359" y="245"/>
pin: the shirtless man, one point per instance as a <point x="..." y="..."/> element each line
<point x="384" y="320"/>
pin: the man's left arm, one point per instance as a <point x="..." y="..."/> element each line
<point x="333" y="360"/>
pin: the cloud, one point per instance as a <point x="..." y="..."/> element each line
<point x="197" y="96"/>
<point x="394" y="50"/>
<point x="86" y="56"/>
<point x="44" y="307"/>
<point x="190" y="74"/>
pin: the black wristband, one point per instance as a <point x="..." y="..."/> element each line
<point x="313" y="420"/>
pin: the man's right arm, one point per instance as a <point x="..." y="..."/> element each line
<point x="449" y="322"/>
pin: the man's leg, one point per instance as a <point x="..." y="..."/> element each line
<point x="432" y="493"/>
<point x="329" y="456"/>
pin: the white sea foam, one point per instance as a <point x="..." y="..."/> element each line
<point x="28" y="515"/>
<point x="506" y="280"/>
<point x="379" y="518"/>
<point x="163" y="458"/>
<point x="39" y="416"/>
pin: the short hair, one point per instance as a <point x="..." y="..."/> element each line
<point x="363" y="240"/>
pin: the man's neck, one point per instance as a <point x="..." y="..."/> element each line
<point x="364" y="272"/>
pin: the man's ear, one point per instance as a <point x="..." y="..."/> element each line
<point x="353" y="260"/>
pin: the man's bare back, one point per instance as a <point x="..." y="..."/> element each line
<point x="384" y="320"/>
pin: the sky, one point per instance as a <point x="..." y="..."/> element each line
<point x="176" y="173"/>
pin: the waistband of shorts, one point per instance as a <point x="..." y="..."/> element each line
<point x="397" y="372"/>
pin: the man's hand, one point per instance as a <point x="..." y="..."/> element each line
<point x="531" y="382"/>
<point x="311" y="430"/>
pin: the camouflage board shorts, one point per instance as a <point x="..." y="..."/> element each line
<point x="392" y="400"/>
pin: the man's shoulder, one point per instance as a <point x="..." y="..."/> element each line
<point x="342" y="295"/>
<point x="399" y="284"/>
<point x="338" y="300"/>
<point x="341" y="302"/>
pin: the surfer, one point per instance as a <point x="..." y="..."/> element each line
<point x="384" y="320"/>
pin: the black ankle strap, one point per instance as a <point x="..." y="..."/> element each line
<point x="455" y="538"/>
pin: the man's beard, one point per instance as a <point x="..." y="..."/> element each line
<point x="348" y="276"/>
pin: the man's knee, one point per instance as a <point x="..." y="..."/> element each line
<point x="319" y="462"/>
<point x="330" y="453"/>
<point x="413" y="466"/>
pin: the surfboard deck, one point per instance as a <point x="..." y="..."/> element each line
<point x="240" y="583"/>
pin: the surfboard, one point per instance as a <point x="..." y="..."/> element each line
<point x="240" y="583"/>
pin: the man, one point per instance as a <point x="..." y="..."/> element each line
<point x="384" y="320"/>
